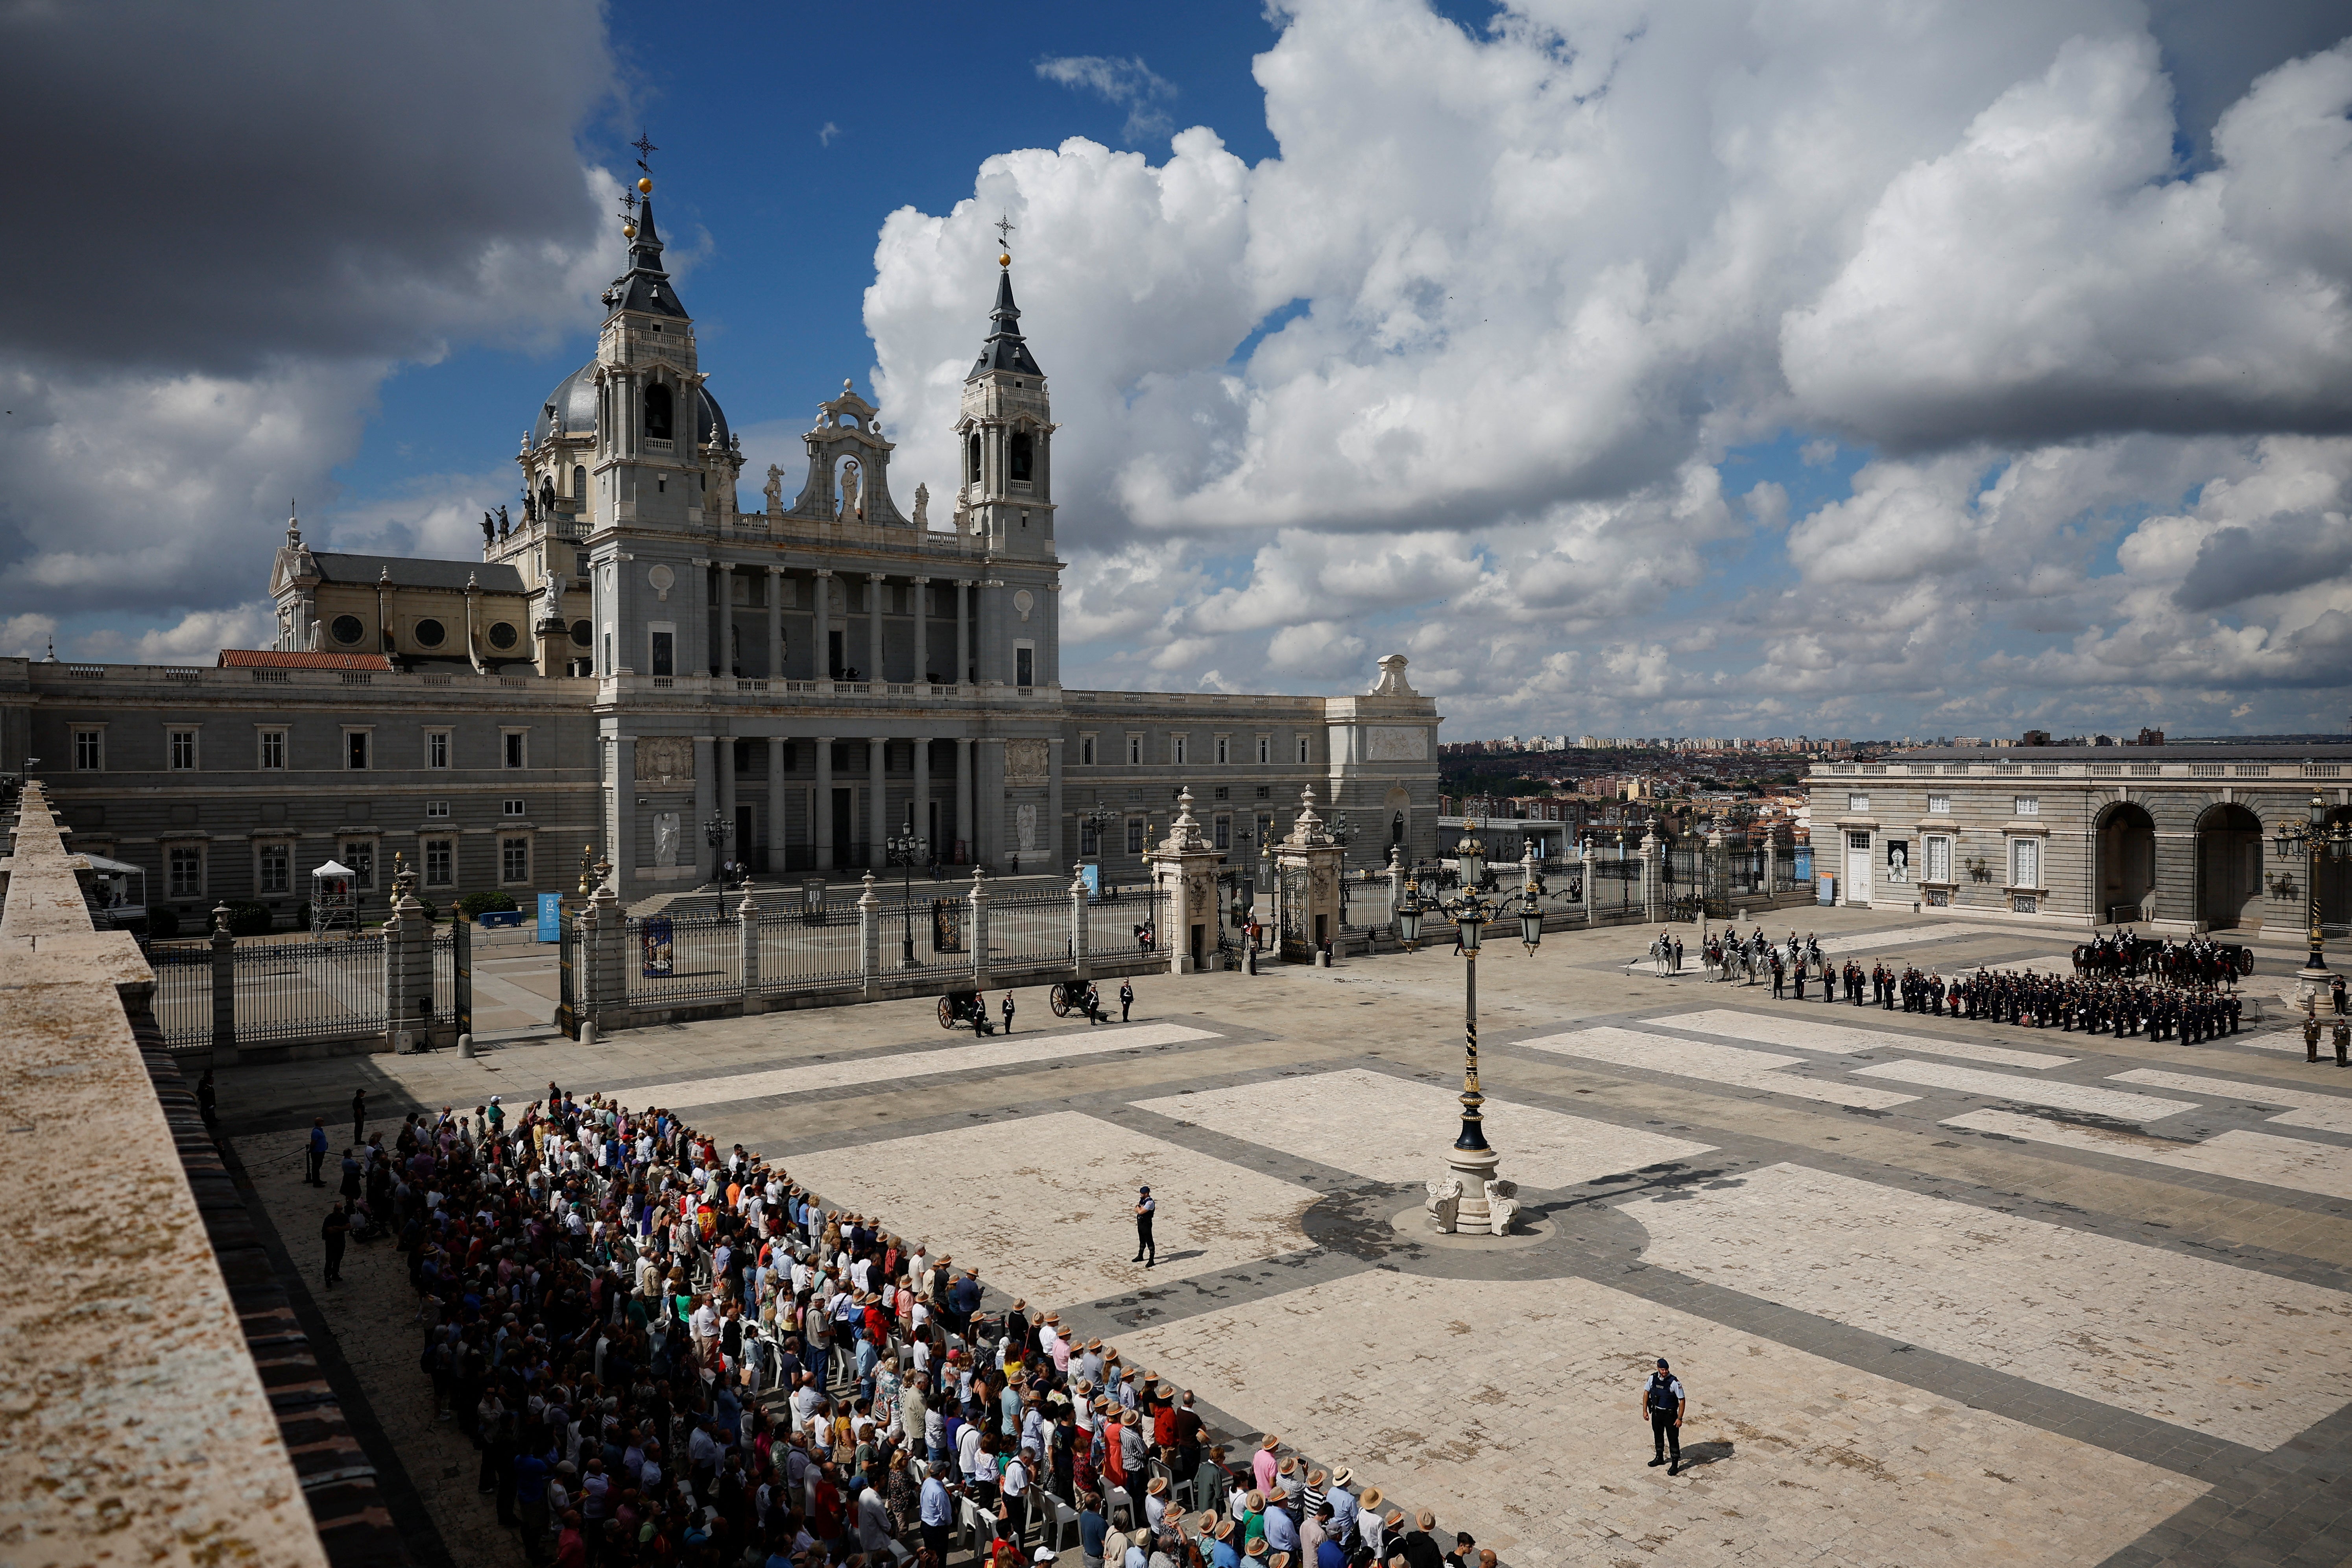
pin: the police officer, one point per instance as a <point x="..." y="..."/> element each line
<point x="1662" y="1404"/>
<point x="1126" y="998"/>
<point x="1145" y="1208"/>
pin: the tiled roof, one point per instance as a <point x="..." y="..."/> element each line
<point x="271" y="659"/>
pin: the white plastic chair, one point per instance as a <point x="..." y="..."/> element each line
<point x="1115" y="1503"/>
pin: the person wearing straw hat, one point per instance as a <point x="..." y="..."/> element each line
<point x="1263" y="1465"/>
<point x="1372" y="1528"/>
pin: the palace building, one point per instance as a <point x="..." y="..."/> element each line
<point x="640" y="668"/>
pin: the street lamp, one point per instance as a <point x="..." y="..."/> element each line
<point x="908" y="849"/>
<point x="718" y="831"/>
<point x="1408" y="915"/>
<point x="1097" y="822"/>
<point x="1472" y="1159"/>
<point x="2317" y="841"/>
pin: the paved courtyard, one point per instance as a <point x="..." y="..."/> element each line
<point x="1941" y="1292"/>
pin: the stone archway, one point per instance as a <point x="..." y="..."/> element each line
<point x="2229" y="867"/>
<point x="2127" y="864"/>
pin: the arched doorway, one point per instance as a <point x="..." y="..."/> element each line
<point x="2127" y="852"/>
<point x="2229" y="866"/>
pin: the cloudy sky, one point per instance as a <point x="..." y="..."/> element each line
<point x="1692" y="368"/>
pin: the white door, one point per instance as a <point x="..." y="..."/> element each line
<point x="1857" y="869"/>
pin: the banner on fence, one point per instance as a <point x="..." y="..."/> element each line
<point x="551" y="917"/>
<point x="947" y="925"/>
<point x="655" y="950"/>
<point x="1091" y="874"/>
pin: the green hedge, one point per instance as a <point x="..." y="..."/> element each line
<point x="246" y="918"/>
<point x="473" y="906"/>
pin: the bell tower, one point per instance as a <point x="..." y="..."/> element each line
<point x="647" y="471"/>
<point x="1006" y="434"/>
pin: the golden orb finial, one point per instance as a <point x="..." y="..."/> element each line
<point x="628" y="231"/>
<point x="645" y="186"/>
<point x="1005" y="258"/>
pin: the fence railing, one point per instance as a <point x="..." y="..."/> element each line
<point x="184" y="993"/>
<point x="799" y="955"/>
<point x="683" y="958"/>
<point x="308" y="990"/>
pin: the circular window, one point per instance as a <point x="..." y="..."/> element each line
<point x="502" y="636"/>
<point x="430" y="634"/>
<point x="580" y="634"/>
<point x="347" y="629"/>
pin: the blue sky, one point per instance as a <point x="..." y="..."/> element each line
<point x="1706" y="368"/>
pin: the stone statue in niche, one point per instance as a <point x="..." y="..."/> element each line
<point x="665" y="838"/>
<point x="853" y="507"/>
<point x="554" y="581"/>
<point x="922" y="506"/>
<point x="1025" y="823"/>
<point x="489" y="528"/>
<point x="774" y="489"/>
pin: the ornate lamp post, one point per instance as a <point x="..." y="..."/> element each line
<point x="717" y="830"/>
<point x="2317" y="842"/>
<point x="906" y="849"/>
<point x="1471" y="1199"/>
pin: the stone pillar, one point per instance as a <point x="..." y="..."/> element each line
<point x="923" y="591"/>
<point x="878" y="769"/>
<point x="874" y="581"/>
<point x="964" y="785"/>
<point x="923" y="794"/>
<point x="824" y="650"/>
<point x="869" y="942"/>
<point x="979" y="900"/>
<point x="988" y="801"/>
<point x="775" y="624"/>
<point x="1312" y="851"/>
<point x="621" y="831"/>
<point x="1717" y="891"/>
<point x="825" y="803"/>
<point x="1396" y="885"/>
<point x="1054" y="849"/>
<point x="747" y="932"/>
<point x="722" y="756"/>
<point x="1650" y="876"/>
<point x="1184" y="868"/>
<point x="604" y="986"/>
<point x="1584" y="879"/>
<point x="407" y="968"/>
<point x="706" y="806"/>
<point x="778" y="852"/>
<point x="1081" y="963"/>
<point x="224" y="990"/>
<point x="963" y="671"/>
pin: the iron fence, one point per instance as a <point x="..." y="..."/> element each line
<point x="308" y="990"/>
<point x="184" y="993"/>
<point x="1126" y="924"/>
<point x="797" y="955"/>
<point x="1030" y="928"/>
<point x="445" y="976"/>
<point x="683" y="958"/>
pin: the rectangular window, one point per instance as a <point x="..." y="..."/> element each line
<point x="1135" y="751"/>
<point x="2025" y="862"/>
<point x="1178" y="745"/>
<point x="89" y="750"/>
<point x="516" y="753"/>
<point x="1857" y="803"/>
<point x="665" y="653"/>
<point x="1135" y="836"/>
<point x="355" y="750"/>
<point x="274" y="871"/>
<point x="359" y="856"/>
<point x="184" y="751"/>
<point x="273" y="750"/>
<point x="1266" y="748"/>
<point x="1086" y="751"/>
<point x="437" y="808"/>
<point x="185" y="871"/>
<point x="1302" y="749"/>
<point x="514" y="861"/>
<point x="608" y="651"/>
<point x="1024" y="667"/>
<point x="1224" y="840"/>
<point x="514" y="807"/>
<point x="437" y="748"/>
<point x="1940" y="805"/>
<point x="1089" y="842"/>
<point x="1224" y="750"/>
<point x="1939" y="858"/>
<point x="440" y="862"/>
<point x="2029" y="806"/>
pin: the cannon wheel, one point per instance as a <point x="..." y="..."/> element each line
<point x="947" y="1013"/>
<point x="2244" y="960"/>
<point x="1059" y="1000"/>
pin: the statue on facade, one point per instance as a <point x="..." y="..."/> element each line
<point x="554" y="583"/>
<point x="922" y="506"/>
<point x="504" y="526"/>
<point x="850" y="506"/>
<point x="530" y="507"/>
<point x="546" y="496"/>
<point x="489" y="528"/>
<point x="774" y="489"/>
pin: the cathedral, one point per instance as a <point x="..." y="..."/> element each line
<point x="638" y="668"/>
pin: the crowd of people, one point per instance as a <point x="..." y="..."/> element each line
<point x="671" y="1354"/>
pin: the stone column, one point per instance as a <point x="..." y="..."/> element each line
<point x="825" y="803"/>
<point x="747" y="933"/>
<point x="963" y="671"/>
<point x="1184" y="868"/>
<point x="923" y="589"/>
<point x="922" y="797"/>
<point x="223" y="972"/>
<point x="1082" y="963"/>
<point x="706" y="803"/>
<point x="1772" y="868"/>
<point x="869" y="942"/>
<point x="775" y="625"/>
<point x="1648" y="852"/>
<point x="621" y="831"/>
<point x="874" y="581"/>
<point x="407" y="969"/>
<point x="988" y="801"/>
<point x="1396" y="885"/>
<point x="1054" y="847"/>
<point x="1311" y="849"/>
<point x="824" y="651"/>
<point x="979" y="900"/>
<point x="778" y="850"/>
<point x="1584" y="879"/>
<point x="878" y="771"/>
<point x="722" y="755"/>
<point x="603" y="986"/>
<point x="963" y="786"/>
<point x="1718" y="891"/>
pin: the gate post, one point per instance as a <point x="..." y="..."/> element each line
<point x="979" y="898"/>
<point x="1648" y="852"/>
<point x="603" y="938"/>
<point x="224" y="990"/>
<point x="1717" y="897"/>
<point x="407" y="957"/>
<point x="869" y="944"/>
<point x="1081" y="964"/>
<point x="461" y="965"/>
<point x="1584" y="879"/>
<point x="747" y="931"/>
<point x="1771" y="886"/>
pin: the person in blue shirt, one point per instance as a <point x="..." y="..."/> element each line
<point x="318" y="1149"/>
<point x="1091" y="1529"/>
<point x="1220" y="1550"/>
<point x="937" y="1507"/>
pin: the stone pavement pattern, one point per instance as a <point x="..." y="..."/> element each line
<point x="2085" y="1303"/>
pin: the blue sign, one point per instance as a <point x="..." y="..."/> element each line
<point x="1804" y="862"/>
<point x="1091" y="875"/>
<point x="654" y="953"/>
<point x="1825" y="889"/>
<point x="551" y="917"/>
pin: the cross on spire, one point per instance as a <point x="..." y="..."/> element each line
<point x="1003" y="227"/>
<point x="645" y="148"/>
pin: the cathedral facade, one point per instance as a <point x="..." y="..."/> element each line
<point x="638" y="668"/>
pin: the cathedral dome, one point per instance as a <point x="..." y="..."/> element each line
<point x="570" y="411"/>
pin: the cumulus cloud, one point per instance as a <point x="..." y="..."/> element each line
<point x="1128" y="83"/>
<point x="1459" y="368"/>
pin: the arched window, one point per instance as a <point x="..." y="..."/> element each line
<point x="1018" y="456"/>
<point x="972" y="459"/>
<point x="579" y="482"/>
<point x="658" y="406"/>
